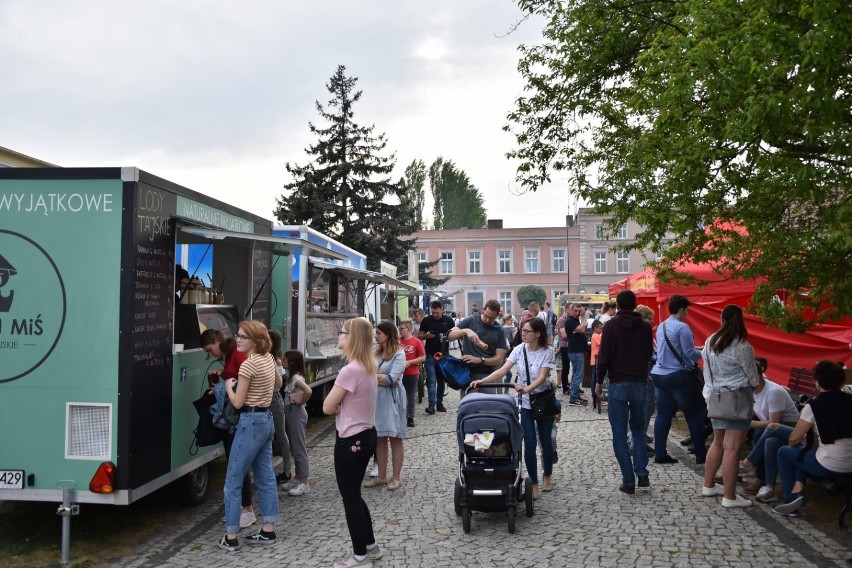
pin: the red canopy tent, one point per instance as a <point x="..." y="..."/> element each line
<point x="783" y="350"/>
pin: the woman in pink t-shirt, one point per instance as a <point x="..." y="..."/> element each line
<point x="353" y="400"/>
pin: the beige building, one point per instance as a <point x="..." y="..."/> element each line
<point x="494" y="263"/>
<point x="12" y="159"/>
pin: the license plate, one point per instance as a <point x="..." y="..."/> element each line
<point x="11" y="479"/>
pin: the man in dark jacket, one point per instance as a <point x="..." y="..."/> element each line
<point x="626" y="350"/>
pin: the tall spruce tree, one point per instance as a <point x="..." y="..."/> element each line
<point x="345" y="191"/>
<point x="458" y="204"/>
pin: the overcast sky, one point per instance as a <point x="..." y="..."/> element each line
<point x="217" y="96"/>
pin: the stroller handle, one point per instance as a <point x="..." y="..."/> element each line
<point x="491" y="386"/>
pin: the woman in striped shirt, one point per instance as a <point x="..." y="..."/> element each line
<point x="252" y="445"/>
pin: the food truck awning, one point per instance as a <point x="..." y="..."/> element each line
<point x="348" y="271"/>
<point x="393" y="281"/>
<point x="358" y="273"/>
<point x="283" y="244"/>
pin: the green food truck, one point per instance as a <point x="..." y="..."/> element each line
<point x="100" y="361"/>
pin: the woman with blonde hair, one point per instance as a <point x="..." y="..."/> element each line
<point x="390" y="405"/>
<point x="353" y="402"/>
<point x="252" y="447"/>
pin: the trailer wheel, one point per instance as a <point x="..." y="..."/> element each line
<point x="192" y="488"/>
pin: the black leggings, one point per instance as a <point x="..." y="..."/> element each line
<point x="351" y="458"/>
<point x="246" y="494"/>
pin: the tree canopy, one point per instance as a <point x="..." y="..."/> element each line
<point x="458" y="204"/>
<point x="345" y="191"/>
<point x="531" y="293"/>
<point x="723" y="128"/>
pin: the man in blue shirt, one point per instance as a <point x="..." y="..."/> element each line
<point x="673" y="382"/>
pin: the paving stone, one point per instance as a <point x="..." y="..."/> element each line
<point x="585" y="521"/>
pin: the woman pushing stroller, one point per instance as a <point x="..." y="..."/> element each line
<point x="534" y="361"/>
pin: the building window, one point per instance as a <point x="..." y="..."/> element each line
<point x="622" y="262"/>
<point x="658" y="255"/>
<point x="505" y="299"/>
<point x="531" y="264"/>
<point x="600" y="263"/>
<point x="421" y="257"/>
<point x="474" y="262"/>
<point x="599" y="234"/>
<point x="447" y="263"/>
<point x="558" y="260"/>
<point x="504" y="261"/>
<point x="622" y="232"/>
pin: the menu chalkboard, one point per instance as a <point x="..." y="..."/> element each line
<point x="153" y="281"/>
<point x="261" y="265"/>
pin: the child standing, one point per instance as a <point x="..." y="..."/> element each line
<point x="597" y="329"/>
<point x="296" y="393"/>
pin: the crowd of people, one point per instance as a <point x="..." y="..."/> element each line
<point x="646" y="370"/>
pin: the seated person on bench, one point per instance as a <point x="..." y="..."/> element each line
<point x="827" y="416"/>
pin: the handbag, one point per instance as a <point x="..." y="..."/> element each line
<point x="729" y="405"/>
<point x="697" y="375"/>
<point x="542" y="404"/>
<point x="206" y="433"/>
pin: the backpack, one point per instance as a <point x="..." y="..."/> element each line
<point x="454" y="372"/>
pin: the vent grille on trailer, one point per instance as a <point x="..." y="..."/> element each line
<point x="89" y="431"/>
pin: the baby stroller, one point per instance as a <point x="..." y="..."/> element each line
<point x="490" y="439"/>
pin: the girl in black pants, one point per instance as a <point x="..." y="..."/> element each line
<point x="353" y="400"/>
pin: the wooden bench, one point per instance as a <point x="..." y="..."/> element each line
<point x="802" y="385"/>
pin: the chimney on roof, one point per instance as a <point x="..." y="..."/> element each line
<point x="495" y="223"/>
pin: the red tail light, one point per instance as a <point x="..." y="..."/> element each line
<point x="102" y="482"/>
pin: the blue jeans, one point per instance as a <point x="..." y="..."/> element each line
<point x="627" y="408"/>
<point x="764" y="453"/>
<point x="544" y="428"/>
<point x="434" y="386"/>
<point x="677" y="391"/>
<point x="577" y="361"/>
<point x="252" y="447"/>
<point x="793" y="470"/>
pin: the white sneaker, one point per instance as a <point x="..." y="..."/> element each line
<point x="712" y="491"/>
<point x="374" y="471"/>
<point x="247" y="519"/>
<point x="300" y="489"/>
<point x="738" y="502"/>
<point x="349" y="561"/>
<point x="292" y="484"/>
<point x="375" y="553"/>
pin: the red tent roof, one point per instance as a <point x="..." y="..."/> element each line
<point x="783" y="350"/>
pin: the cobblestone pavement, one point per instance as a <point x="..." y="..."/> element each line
<point x="585" y="521"/>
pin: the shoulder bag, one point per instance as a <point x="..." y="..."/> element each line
<point x="542" y="404"/>
<point x="729" y="405"/>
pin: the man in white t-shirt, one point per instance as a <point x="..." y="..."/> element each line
<point x="776" y="417"/>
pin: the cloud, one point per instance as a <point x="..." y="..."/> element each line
<point x="215" y="95"/>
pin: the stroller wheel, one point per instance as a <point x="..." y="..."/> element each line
<point x="466" y="519"/>
<point x="510" y="517"/>
<point x="457" y="497"/>
<point x="528" y="493"/>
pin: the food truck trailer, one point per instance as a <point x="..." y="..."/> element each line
<point x="100" y="361"/>
<point x="313" y="296"/>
